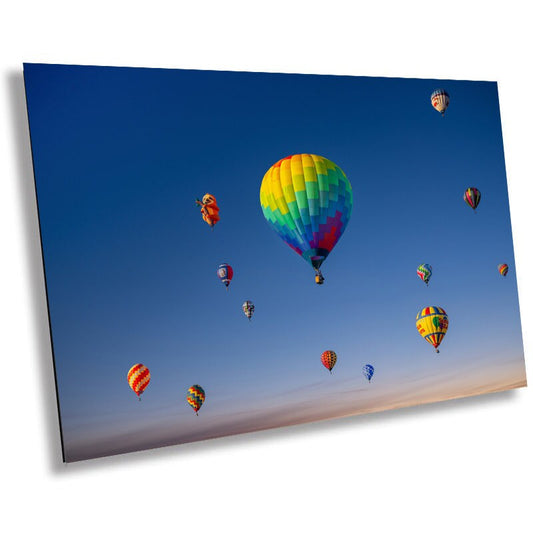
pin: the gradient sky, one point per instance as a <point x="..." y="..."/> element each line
<point x="120" y="154"/>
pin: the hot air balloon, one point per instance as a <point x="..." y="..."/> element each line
<point x="225" y="274"/>
<point x="368" y="372"/>
<point x="209" y="209"/>
<point x="138" y="379"/>
<point x="424" y="272"/>
<point x="432" y="324"/>
<point x="503" y="269"/>
<point x="307" y="200"/>
<point x="196" y="397"/>
<point x="440" y="100"/>
<point x="248" y="307"/>
<point x="472" y="197"/>
<point x="329" y="358"/>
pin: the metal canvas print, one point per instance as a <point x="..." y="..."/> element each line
<point x="227" y="252"/>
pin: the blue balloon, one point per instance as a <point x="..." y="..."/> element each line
<point x="368" y="372"/>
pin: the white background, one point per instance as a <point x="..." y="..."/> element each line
<point x="464" y="465"/>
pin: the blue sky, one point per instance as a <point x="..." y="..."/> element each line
<point x="120" y="154"/>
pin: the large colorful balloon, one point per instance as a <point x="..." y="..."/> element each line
<point x="209" y="209"/>
<point x="196" y="397"/>
<point x="503" y="269"/>
<point x="424" y="272"/>
<point x="368" y="372"/>
<point x="225" y="274"/>
<point x="138" y="379"/>
<point x="472" y="196"/>
<point x="307" y="200"/>
<point x="248" y="307"/>
<point x="329" y="358"/>
<point x="440" y="100"/>
<point x="432" y="324"/>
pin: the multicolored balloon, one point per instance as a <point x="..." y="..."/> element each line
<point x="138" y="379"/>
<point x="196" y="397"/>
<point x="368" y="372"/>
<point x="307" y="200"/>
<point x="248" y="307"/>
<point x="432" y="324"/>
<point x="329" y="358"/>
<point x="424" y="272"/>
<point x="440" y="100"/>
<point x="472" y="197"/>
<point x="225" y="274"/>
<point x="503" y="269"/>
<point x="209" y="209"/>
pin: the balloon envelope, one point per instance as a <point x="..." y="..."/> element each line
<point x="472" y="197"/>
<point x="329" y="358"/>
<point x="368" y="371"/>
<point x="225" y="273"/>
<point x="210" y="209"/>
<point x="248" y="307"/>
<point x="503" y="269"/>
<point x="195" y="397"/>
<point x="432" y="324"/>
<point x="307" y="200"/>
<point x="138" y="378"/>
<point x="424" y="272"/>
<point x="440" y="100"/>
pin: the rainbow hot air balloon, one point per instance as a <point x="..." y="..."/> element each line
<point x="368" y="372"/>
<point x="307" y="200"/>
<point x="138" y="379"/>
<point x="503" y="269"/>
<point x="440" y="100"/>
<point x="225" y="274"/>
<point x="432" y="324"/>
<point x="196" y="397"/>
<point x="424" y="272"/>
<point x="248" y="307"/>
<point x="329" y="358"/>
<point x="472" y="197"/>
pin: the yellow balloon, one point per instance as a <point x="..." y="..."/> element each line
<point x="432" y="324"/>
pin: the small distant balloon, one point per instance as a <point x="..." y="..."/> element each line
<point x="368" y="372"/>
<point x="432" y="324"/>
<point x="472" y="197"/>
<point x="225" y="274"/>
<point x="138" y="379"/>
<point x="248" y="307"/>
<point x="440" y="100"/>
<point x="424" y="272"/>
<point x="196" y="397"/>
<point x="329" y="358"/>
<point x="503" y="269"/>
<point x="209" y="209"/>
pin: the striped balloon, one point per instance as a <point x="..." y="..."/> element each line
<point x="432" y="324"/>
<point x="472" y="197"/>
<point x="368" y="372"/>
<point x="503" y="269"/>
<point x="329" y="358"/>
<point x="424" y="272"/>
<point x="307" y="200"/>
<point x="196" y="397"/>
<point x="248" y="307"/>
<point x="138" y="379"/>
<point x="225" y="273"/>
<point x="440" y="100"/>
